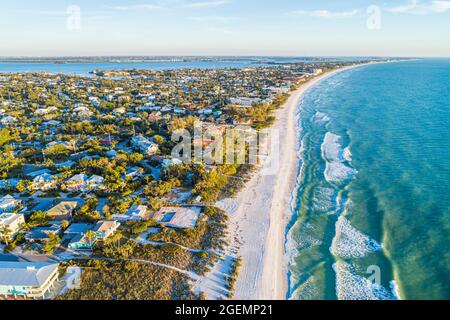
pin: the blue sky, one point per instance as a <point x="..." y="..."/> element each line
<point x="225" y="27"/>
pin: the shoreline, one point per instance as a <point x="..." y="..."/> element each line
<point x="261" y="212"/>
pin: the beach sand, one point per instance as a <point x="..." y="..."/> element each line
<point x="260" y="212"/>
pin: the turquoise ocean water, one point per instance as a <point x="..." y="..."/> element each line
<point x="373" y="202"/>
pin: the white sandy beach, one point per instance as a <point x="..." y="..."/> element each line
<point x="261" y="211"/>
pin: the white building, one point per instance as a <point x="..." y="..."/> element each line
<point x="77" y="183"/>
<point x="12" y="222"/>
<point x="245" y="102"/>
<point x="95" y="183"/>
<point x="44" y="182"/>
<point x="144" y="145"/>
<point x="8" y="120"/>
<point x="8" y="203"/>
<point x="178" y="217"/>
<point x="27" y="279"/>
<point x="136" y="213"/>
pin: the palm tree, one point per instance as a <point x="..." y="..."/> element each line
<point x="6" y="234"/>
<point x="90" y="235"/>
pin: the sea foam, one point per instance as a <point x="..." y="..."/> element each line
<point x="324" y="200"/>
<point x="336" y="168"/>
<point x="351" y="286"/>
<point x="350" y="243"/>
<point x="321" y="118"/>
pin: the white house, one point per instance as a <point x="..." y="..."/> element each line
<point x="136" y="213"/>
<point x="8" y="120"/>
<point x="178" y="217"/>
<point x="77" y="183"/>
<point x="94" y="101"/>
<point x="8" y="203"/>
<point x="244" y="101"/>
<point x="44" y="111"/>
<point x="27" y="279"/>
<point x="12" y="222"/>
<point x="95" y="182"/>
<point x="167" y="163"/>
<point x="133" y="173"/>
<point x="144" y="145"/>
<point x="105" y="229"/>
<point x="44" y="182"/>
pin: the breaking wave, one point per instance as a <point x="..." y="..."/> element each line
<point x="349" y="243"/>
<point x="336" y="169"/>
<point x="351" y="286"/>
<point x="321" y="118"/>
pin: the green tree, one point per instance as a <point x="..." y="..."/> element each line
<point x="52" y="243"/>
<point x="6" y="234"/>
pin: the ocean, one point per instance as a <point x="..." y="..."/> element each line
<point x="372" y="217"/>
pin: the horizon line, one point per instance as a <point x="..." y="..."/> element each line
<point x="217" y="56"/>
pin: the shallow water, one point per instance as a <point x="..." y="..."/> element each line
<point x="374" y="188"/>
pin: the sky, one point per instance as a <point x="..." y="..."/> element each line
<point x="418" y="28"/>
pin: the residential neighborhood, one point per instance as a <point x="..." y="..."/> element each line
<point x="88" y="177"/>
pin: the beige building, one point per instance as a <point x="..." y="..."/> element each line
<point x="62" y="211"/>
<point x="12" y="222"/>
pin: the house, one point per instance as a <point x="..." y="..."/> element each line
<point x="28" y="280"/>
<point x="144" y="145"/>
<point x="244" y="102"/>
<point x="44" y="111"/>
<point x="94" y="101"/>
<point x="8" y="120"/>
<point x="167" y="163"/>
<point x="77" y="183"/>
<point x="66" y="164"/>
<point x="178" y="217"/>
<point x="136" y="213"/>
<point x="105" y="229"/>
<point x="9" y="183"/>
<point x="42" y="234"/>
<point x="62" y="211"/>
<point x="119" y="111"/>
<point x="12" y="222"/>
<point x="95" y="183"/>
<point x="44" y="182"/>
<point x="76" y="229"/>
<point x="77" y="235"/>
<point x="34" y="174"/>
<point x="111" y="153"/>
<point x="81" y="242"/>
<point x="133" y="173"/>
<point x="8" y="203"/>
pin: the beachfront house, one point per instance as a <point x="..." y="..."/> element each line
<point x="8" y="203"/>
<point x="62" y="211"/>
<point x="105" y="229"/>
<point x="11" y="222"/>
<point x="144" y="145"/>
<point x="27" y="280"/>
<point x="178" y="217"/>
<point x="135" y="213"/>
